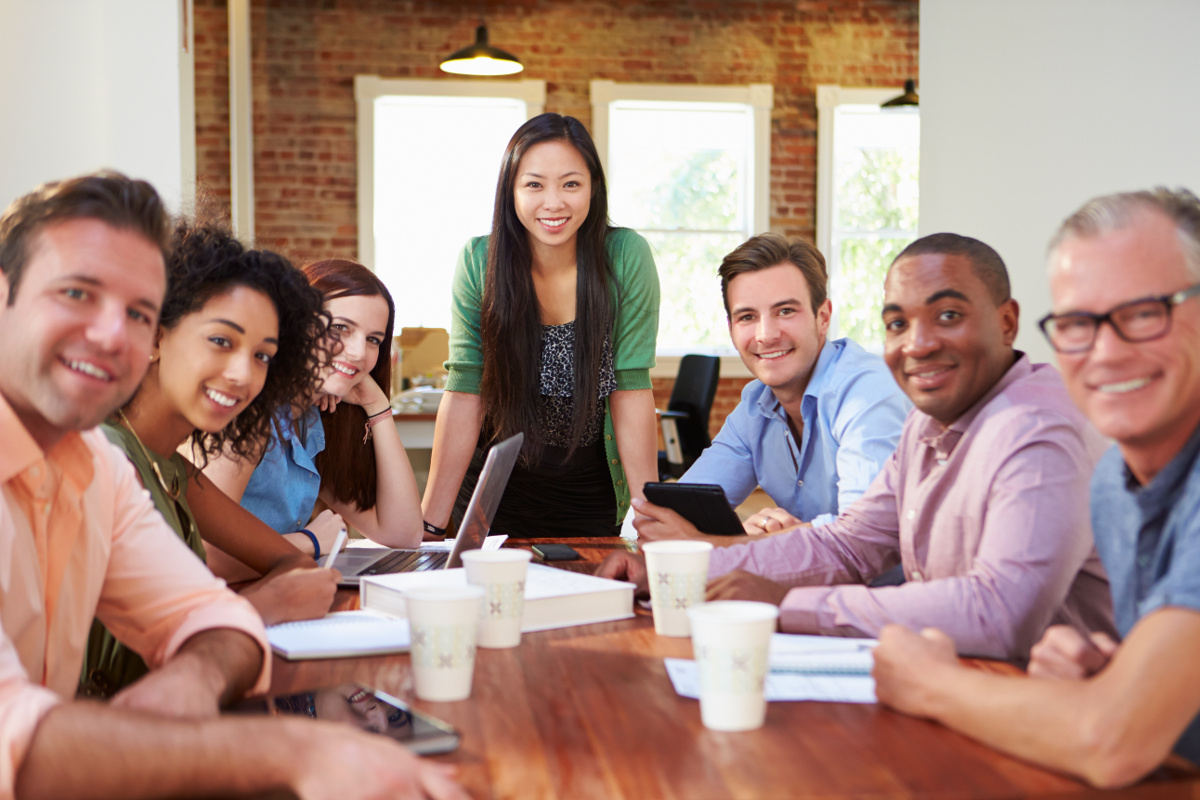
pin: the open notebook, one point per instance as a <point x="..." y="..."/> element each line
<point x="339" y="635"/>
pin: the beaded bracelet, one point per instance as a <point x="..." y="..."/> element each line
<point x="316" y="544"/>
<point x="374" y="420"/>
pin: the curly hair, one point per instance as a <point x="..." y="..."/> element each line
<point x="206" y="260"/>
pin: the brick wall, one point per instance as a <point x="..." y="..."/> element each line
<point x="729" y="391"/>
<point x="306" y="53"/>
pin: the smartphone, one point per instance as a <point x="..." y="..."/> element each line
<point x="702" y="504"/>
<point x="373" y="711"/>
<point x="556" y="552"/>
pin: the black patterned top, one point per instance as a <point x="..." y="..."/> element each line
<point x="558" y="385"/>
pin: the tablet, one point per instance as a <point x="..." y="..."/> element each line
<point x="372" y="711"/>
<point x="702" y="504"/>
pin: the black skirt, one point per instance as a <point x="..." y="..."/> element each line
<point x="553" y="498"/>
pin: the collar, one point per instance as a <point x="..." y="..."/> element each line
<point x="20" y="451"/>
<point x="768" y="404"/>
<point x="943" y="440"/>
<point x="1163" y="488"/>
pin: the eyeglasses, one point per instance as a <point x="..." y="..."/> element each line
<point x="1135" y="321"/>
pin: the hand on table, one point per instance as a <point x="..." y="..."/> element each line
<point x="1065" y="653"/>
<point x="621" y="565"/>
<point x="347" y="764"/>
<point x="213" y="666"/>
<point x="906" y="663"/>
<point x="772" y="520"/>
<point x="742" y="585"/>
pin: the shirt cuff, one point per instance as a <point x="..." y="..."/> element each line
<point x="237" y="615"/>
<point x="822" y="519"/>
<point x="633" y="379"/>
<point x="798" y="612"/>
<point x="22" y="712"/>
<point x="464" y="379"/>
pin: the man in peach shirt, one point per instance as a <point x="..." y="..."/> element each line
<point x="82" y="282"/>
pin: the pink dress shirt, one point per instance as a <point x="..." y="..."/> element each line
<point x="989" y="517"/>
<point x="80" y="538"/>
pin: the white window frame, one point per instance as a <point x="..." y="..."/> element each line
<point x="368" y="88"/>
<point x="761" y="97"/>
<point x="829" y="97"/>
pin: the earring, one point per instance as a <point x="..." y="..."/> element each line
<point x="153" y="357"/>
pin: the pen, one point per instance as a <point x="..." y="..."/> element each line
<point x="340" y="540"/>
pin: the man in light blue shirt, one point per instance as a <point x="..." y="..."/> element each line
<point x="823" y="415"/>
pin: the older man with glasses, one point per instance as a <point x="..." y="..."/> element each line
<point x="1107" y="711"/>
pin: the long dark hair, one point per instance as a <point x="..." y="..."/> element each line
<point x="206" y="260"/>
<point x="346" y="465"/>
<point x="511" y="324"/>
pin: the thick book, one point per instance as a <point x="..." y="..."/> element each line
<point x="554" y="598"/>
<point x="342" y="634"/>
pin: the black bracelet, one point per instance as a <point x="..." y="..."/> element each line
<point x="434" y="529"/>
<point x="316" y="544"/>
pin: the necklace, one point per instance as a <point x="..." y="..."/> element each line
<point x="172" y="492"/>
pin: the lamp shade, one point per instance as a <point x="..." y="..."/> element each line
<point x="481" y="58"/>
<point x="909" y="98"/>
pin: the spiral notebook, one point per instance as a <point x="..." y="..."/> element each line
<point x="342" y="634"/>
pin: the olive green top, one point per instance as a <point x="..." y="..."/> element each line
<point x="108" y="665"/>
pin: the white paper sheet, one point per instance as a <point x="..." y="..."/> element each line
<point x="781" y="686"/>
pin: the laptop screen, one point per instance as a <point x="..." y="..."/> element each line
<point x="477" y="521"/>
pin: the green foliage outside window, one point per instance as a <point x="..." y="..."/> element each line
<point x="876" y="217"/>
<point x="690" y="218"/>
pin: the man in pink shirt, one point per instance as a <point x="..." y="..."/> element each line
<point x="82" y="282"/>
<point x="984" y="502"/>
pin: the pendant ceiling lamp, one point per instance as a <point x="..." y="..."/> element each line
<point x="909" y="98"/>
<point x="481" y="58"/>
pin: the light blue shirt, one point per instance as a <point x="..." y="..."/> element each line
<point x="853" y="412"/>
<point x="283" y="488"/>
<point x="1149" y="540"/>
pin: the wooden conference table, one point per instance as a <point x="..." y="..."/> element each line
<point x="589" y="712"/>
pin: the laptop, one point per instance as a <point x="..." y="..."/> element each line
<point x="476" y="523"/>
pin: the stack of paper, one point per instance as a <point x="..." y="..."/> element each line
<point x="824" y="668"/>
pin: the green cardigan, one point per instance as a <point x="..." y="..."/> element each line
<point x="635" y="329"/>
<point x="108" y="665"/>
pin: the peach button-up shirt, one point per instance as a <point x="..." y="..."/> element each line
<point x="80" y="538"/>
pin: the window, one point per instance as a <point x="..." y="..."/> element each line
<point x="868" y="165"/>
<point x="429" y="155"/>
<point x="687" y="167"/>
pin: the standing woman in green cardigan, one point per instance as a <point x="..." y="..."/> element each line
<point x="555" y="317"/>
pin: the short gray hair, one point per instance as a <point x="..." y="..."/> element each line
<point x="1114" y="212"/>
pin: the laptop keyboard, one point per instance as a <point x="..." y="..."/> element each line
<point x="406" y="561"/>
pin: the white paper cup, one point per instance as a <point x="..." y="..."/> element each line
<point x="443" y="623"/>
<point x="730" y="639"/>
<point x="501" y="574"/>
<point x="677" y="571"/>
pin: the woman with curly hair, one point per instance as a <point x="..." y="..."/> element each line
<point x="336" y="443"/>
<point x="236" y="338"/>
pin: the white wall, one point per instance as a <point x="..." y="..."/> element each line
<point x="86" y="84"/>
<point x="1031" y="107"/>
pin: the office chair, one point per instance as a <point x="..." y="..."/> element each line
<point x="685" y="422"/>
